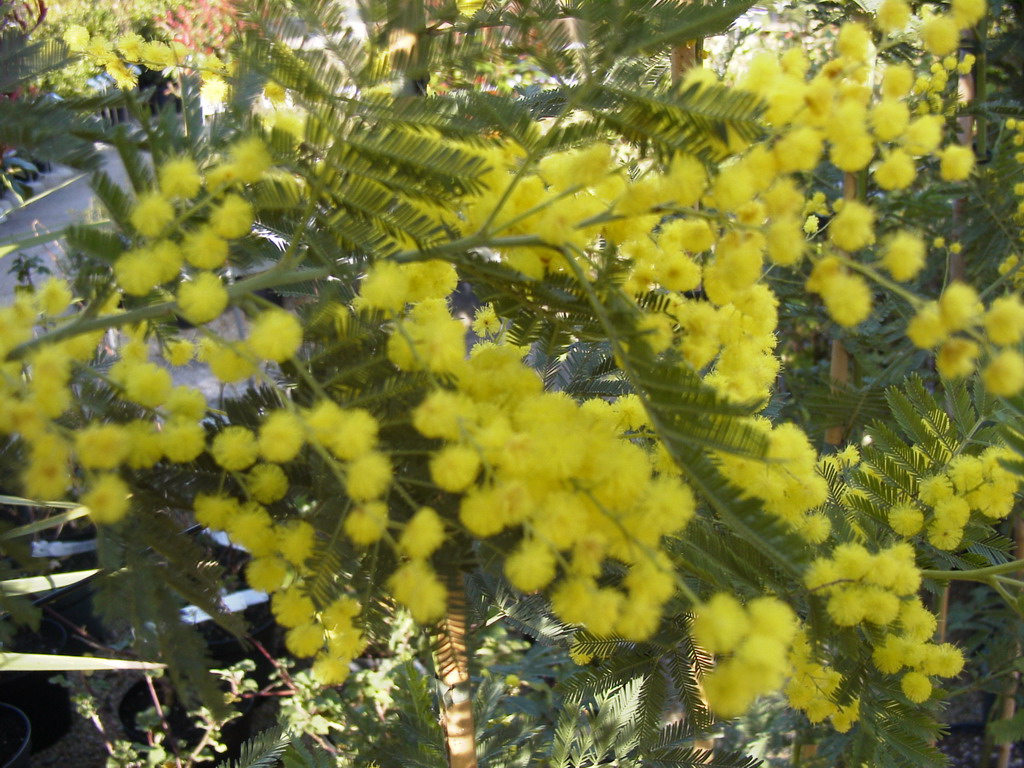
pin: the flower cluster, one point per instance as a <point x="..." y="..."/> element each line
<point x="754" y="638"/>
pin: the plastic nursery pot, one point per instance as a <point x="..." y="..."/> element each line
<point x="47" y="705"/>
<point x="15" y="738"/>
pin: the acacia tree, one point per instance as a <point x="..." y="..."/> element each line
<point x="618" y="465"/>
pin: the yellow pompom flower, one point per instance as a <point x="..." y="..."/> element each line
<point x="167" y="258"/>
<point x="1004" y="375"/>
<point x="418" y="588"/>
<point x="1004" y="321"/>
<point x="896" y="171"/>
<point x="205" y="249"/>
<point x="897" y="81"/>
<point x="923" y="135"/>
<point x="853" y="227"/>
<point x="295" y="539"/>
<point x="250" y="159"/>
<point x="234" y="448"/>
<point x="848" y="299"/>
<point x="146" y="446"/>
<point x="281" y="436"/>
<point x="957" y="162"/>
<point x="229" y="362"/>
<point x="889" y="119"/>
<point x="959" y="307"/>
<point x="799" y="149"/>
<point x="266" y="483"/>
<point x="182" y="440"/>
<point x="956" y="358"/>
<point x="368" y="476"/>
<point x="179" y="178"/>
<point x="54" y="296"/>
<point x="147" y="384"/>
<point x="854" y="40"/>
<point x="187" y="403"/>
<point x="916" y="687"/>
<point x="422" y="535"/>
<point x="232" y="218"/>
<point x="720" y="624"/>
<point x="152" y="213"/>
<point x="940" y="35"/>
<point x="893" y="15"/>
<point x="266" y="574"/>
<point x="904" y="255"/>
<point x="967" y="13"/>
<point x="107" y="499"/>
<point x="906" y="519"/>
<point x="275" y="335"/>
<point x="136" y="272"/>
<point x="366" y="523"/>
<point x="385" y="286"/>
<point x="180" y="352"/>
<point x="101" y="446"/>
<point x="77" y="38"/>
<point x="292" y="608"/>
<point x="455" y="467"/>
<point x="531" y="567"/>
<point x="202" y="299"/>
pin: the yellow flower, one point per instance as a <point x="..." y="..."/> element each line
<point x="896" y="171"/>
<point x="205" y="249"/>
<point x="234" y="448"/>
<point x="455" y="467"/>
<point x="957" y="162"/>
<point x="107" y="499"/>
<point x="77" y="38"/>
<point x="233" y="217"/>
<point x="967" y="13"/>
<point x="1004" y="375"/>
<point x="904" y="255"/>
<point x="147" y="384"/>
<point x="893" y="15"/>
<point x="250" y="159"/>
<point x="956" y="358"/>
<point x="422" y="535"/>
<point x="295" y="539"/>
<point x="101" y="446"/>
<point x="182" y="440"/>
<point x="916" y="687"/>
<point x="366" y="523"/>
<point x="531" y="567"/>
<point x="368" y="476"/>
<point x="418" y="588"/>
<point x="906" y="519"/>
<point x="926" y="329"/>
<point x="853" y="227"/>
<point x="1004" y="321"/>
<point x="940" y="35"/>
<point x="179" y="177"/>
<point x="275" y="335"/>
<point x="889" y="118"/>
<point x="54" y="296"/>
<point x="266" y="483"/>
<point x="152" y="213"/>
<point x="959" y="307"/>
<point x="229" y="362"/>
<point x="202" y="299"/>
<point x="281" y="436"/>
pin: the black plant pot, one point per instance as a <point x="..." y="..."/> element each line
<point x="15" y="738"/>
<point x="47" y="705"/>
